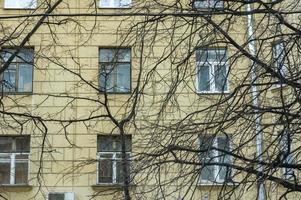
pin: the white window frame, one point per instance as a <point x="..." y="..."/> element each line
<point x="114" y="165"/>
<point x="216" y="168"/>
<point x="114" y="71"/>
<point x="67" y="195"/>
<point x="20" y="4"/>
<point x="15" y="65"/>
<point x="211" y="66"/>
<point x="12" y="162"/>
<point x="112" y="5"/>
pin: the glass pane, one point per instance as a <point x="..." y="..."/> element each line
<point x="4" y="172"/>
<point x="125" y="3"/>
<point x="207" y="173"/>
<point x="119" y="168"/>
<point x="211" y="55"/>
<point x="25" y="55"/>
<point x="104" y="143"/>
<point x="204" y="78"/>
<point x="207" y="156"/>
<point x="9" y="79"/>
<point x="56" y="196"/>
<point x="22" y="144"/>
<point x="113" y="143"/>
<point x="105" y="3"/>
<point x="21" y="176"/>
<point x="106" y="55"/>
<point x="22" y="157"/>
<point x="220" y="79"/>
<point x="25" y="78"/>
<point x="200" y="4"/>
<point x="124" y="55"/>
<point x="123" y="78"/>
<point x="20" y="4"/>
<point x="106" y="78"/>
<point x="6" y="144"/>
<point x="223" y="143"/>
<point x="105" y="168"/>
<point x="6" y="53"/>
<point x="215" y="4"/>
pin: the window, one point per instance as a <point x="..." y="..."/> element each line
<point x="115" y="70"/>
<point x="210" y="154"/>
<point x="287" y="156"/>
<point x="208" y="4"/>
<point x="14" y="152"/>
<point x="61" y="196"/>
<point x="211" y="70"/>
<point x="115" y="3"/>
<point x="279" y="57"/>
<point x="18" y="76"/>
<point x="20" y="4"/>
<point x="110" y="158"/>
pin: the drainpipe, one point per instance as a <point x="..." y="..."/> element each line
<point x="251" y="45"/>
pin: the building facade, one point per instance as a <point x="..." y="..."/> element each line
<point x="121" y="99"/>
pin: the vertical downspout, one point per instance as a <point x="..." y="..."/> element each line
<point x="251" y="45"/>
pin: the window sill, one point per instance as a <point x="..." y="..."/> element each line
<point x="215" y="184"/>
<point x="213" y="92"/>
<point x="278" y="86"/>
<point x="17" y="93"/>
<point x="19" y="8"/>
<point x="109" y="186"/>
<point x="109" y="93"/>
<point x="16" y="187"/>
<point x="123" y="8"/>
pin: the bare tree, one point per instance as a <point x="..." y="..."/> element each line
<point x="201" y="97"/>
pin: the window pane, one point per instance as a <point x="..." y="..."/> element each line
<point x="9" y="79"/>
<point x="25" y="78"/>
<point x="25" y="55"/>
<point x="22" y="144"/>
<point x="56" y="196"/>
<point x="200" y="4"/>
<point x="105" y="168"/>
<point x="204" y="80"/>
<point x="4" y="172"/>
<point x="105" y="3"/>
<point x="124" y="55"/>
<point x="20" y="4"/>
<point x="207" y="173"/>
<point x="220" y="79"/>
<point x="106" y="78"/>
<point x="125" y="3"/>
<point x="215" y="4"/>
<point x="211" y="55"/>
<point x="21" y="176"/>
<point x="114" y="3"/>
<point x="119" y="168"/>
<point x="288" y="157"/>
<point x="6" y="53"/>
<point x="6" y="144"/>
<point x="223" y="143"/>
<point x="106" y="55"/>
<point x="113" y="143"/>
<point x="123" y="78"/>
